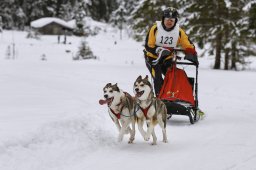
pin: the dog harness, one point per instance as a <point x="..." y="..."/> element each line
<point x="118" y="115"/>
<point x="145" y="111"/>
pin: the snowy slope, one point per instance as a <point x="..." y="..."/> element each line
<point x="50" y="118"/>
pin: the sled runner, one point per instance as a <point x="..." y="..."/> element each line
<point x="180" y="92"/>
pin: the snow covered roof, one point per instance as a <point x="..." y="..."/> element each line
<point x="45" y="21"/>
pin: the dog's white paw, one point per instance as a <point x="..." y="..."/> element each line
<point x="153" y="143"/>
<point x="165" y="141"/>
<point x="131" y="140"/>
<point x="120" y="138"/>
<point x="146" y="137"/>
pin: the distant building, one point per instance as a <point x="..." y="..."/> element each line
<point x="52" y="26"/>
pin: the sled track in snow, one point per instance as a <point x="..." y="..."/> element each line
<point x="55" y="144"/>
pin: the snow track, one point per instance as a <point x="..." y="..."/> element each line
<point x="55" y="145"/>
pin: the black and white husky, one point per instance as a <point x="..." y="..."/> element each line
<point x="121" y="110"/>
<point x="150" y="109"/>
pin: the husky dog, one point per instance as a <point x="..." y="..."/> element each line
<point x="150" y="109"/>
<point x="121" y="110"/>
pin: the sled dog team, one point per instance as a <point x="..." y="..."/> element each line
<point x="126" y="110"/>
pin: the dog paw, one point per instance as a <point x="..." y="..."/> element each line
<point x="165" y="141"/>
<point x="146" y="137"/>
<point x="131" y="140"/>
<point x="120" y="139"/>
<point x="153" y="143"/>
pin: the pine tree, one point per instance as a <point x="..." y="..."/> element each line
<point x="252" y="18"/>
<point x="127" y="7"/>
<point x="1" y="24"/>
<point x="84" y="52"/>
<point x="252" y="21"/>
<point x="19" y="18"/>
<point x="17" y="13"/>
<point x="239" y="34"/>
<point x="36" y="9"/>
<point x="101" y="10"/>
<point x="224" y="26"/>
<point x="66" y="11"/>
<point x="26" y="7"/>
<point x="52" y="8"/>
<point x="111" y="5"/>
<point x="79" y="16"/>
<point x="121" y="16"/>
<point x="6" y="12"/>
<point x="206" y="24"/>
<point x="119" y="19"/>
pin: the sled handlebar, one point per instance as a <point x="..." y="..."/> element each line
<point x="177" y="49"/>
<point x="173" y="51"/>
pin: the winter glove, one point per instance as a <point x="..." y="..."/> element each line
<point x="162" y="53"/>
<point x="191" y="55"/>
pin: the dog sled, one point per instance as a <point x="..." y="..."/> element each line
<point x="180" y="92"/>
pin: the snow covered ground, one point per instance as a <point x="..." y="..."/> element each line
<point x="50" y="118"/>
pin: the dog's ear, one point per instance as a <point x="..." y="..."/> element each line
<point x="109" y="84"/>
<point x="147" y="81"/>
<point x="139" y="78"/>
<point x="116" y="88"/>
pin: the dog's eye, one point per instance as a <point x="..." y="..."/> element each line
<point x="104" y="91"/>
<point x="111" y="91"/>
<point x="142" y="85"/>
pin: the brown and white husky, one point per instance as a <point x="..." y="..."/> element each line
<point x="121" y="110"/>
<point x="150" y="109"/>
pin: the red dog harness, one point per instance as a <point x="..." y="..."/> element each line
<point x="118" y="115"/>
<point x="145" y="111"/>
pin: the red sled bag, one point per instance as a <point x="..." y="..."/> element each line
<point x="176" y="86"/>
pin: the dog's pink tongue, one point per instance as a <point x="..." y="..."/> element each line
<point x="101" y="102"/>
